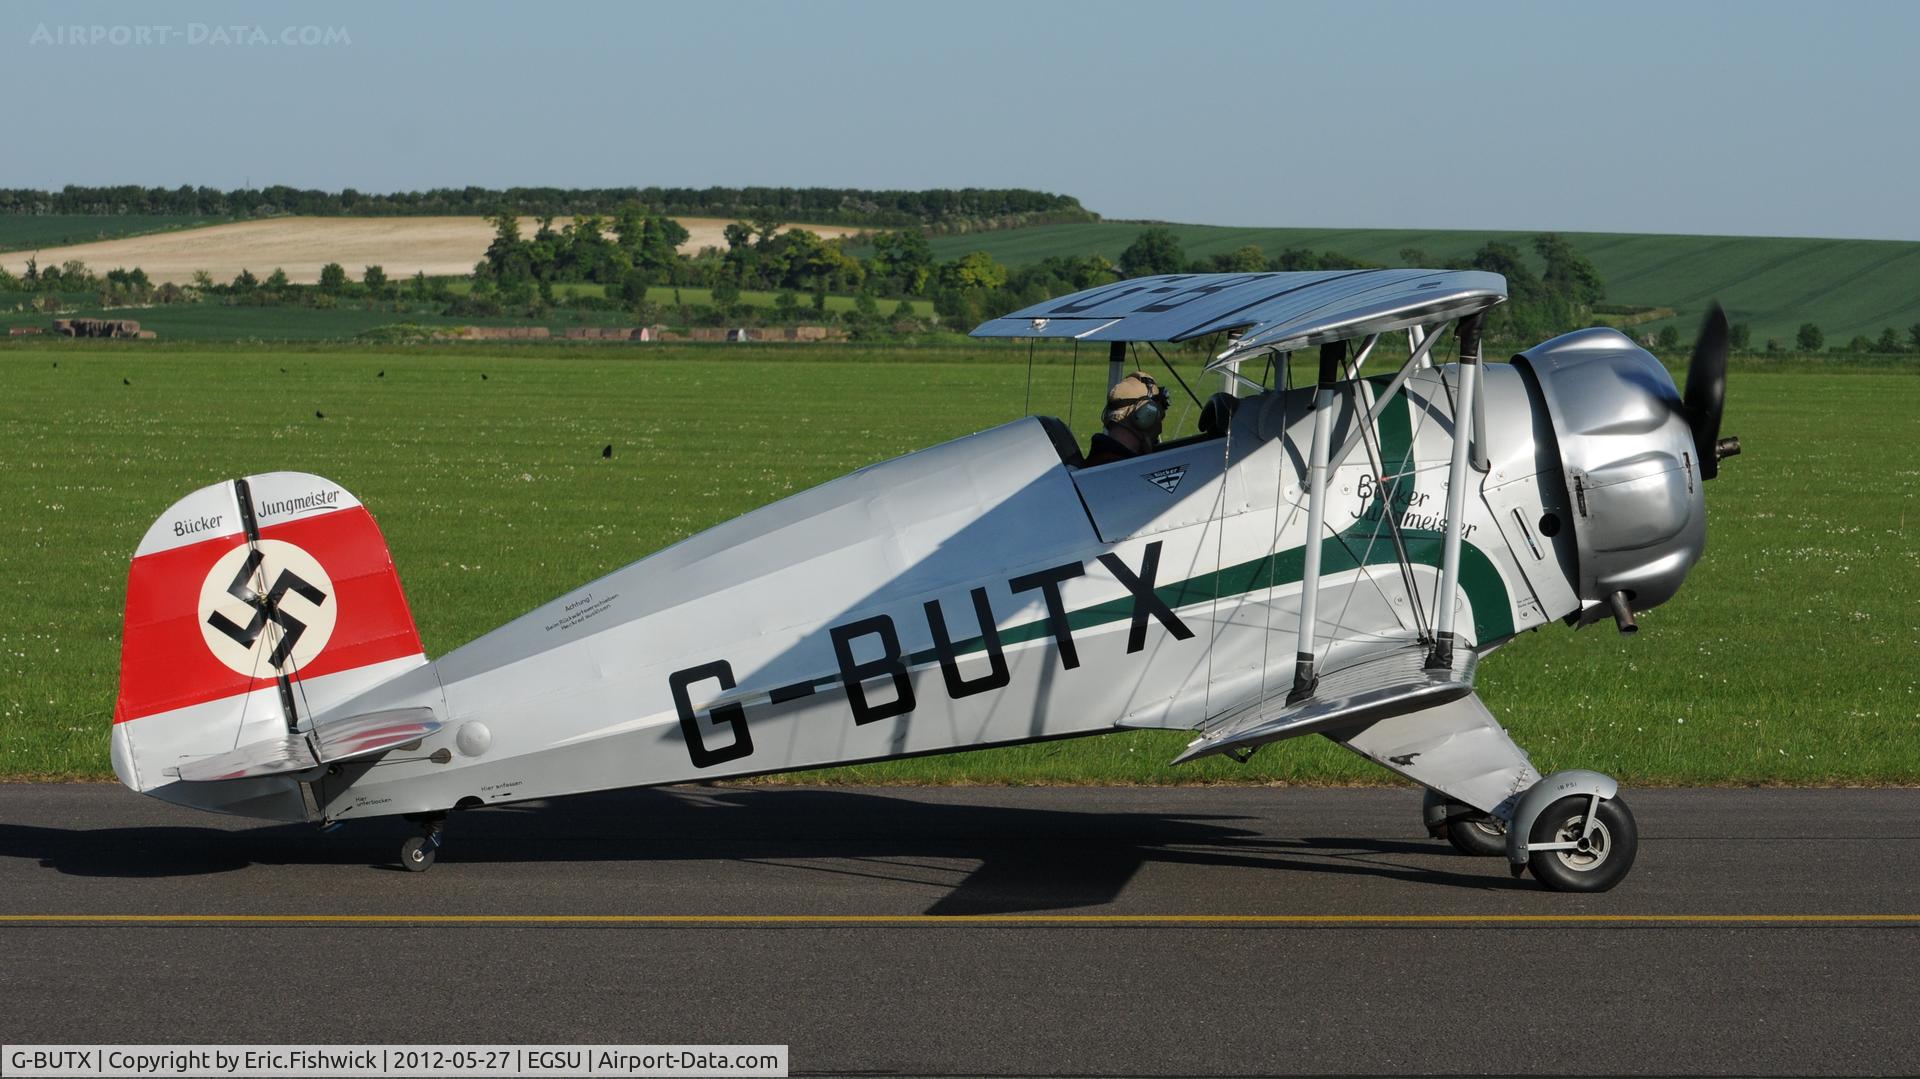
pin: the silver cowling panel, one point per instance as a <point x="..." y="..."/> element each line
<point x="1639" y="514"/>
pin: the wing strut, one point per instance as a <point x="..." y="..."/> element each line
<point x="1323" y="396"/>
<point x="1463" y="431"/>
<point x="1363" y="400"/>
<point x="1322" y="461"/>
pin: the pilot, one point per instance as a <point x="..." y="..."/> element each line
<point x="1136" y="408"/>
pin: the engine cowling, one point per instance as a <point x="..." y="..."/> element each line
<point x="1628" y="456"/>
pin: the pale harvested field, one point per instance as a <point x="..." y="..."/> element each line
<point x="402" y="246"/>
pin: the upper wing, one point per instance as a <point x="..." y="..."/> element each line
<point x="1273" y="310"/>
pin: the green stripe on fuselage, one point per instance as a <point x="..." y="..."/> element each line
<point x="1367" y="541"/>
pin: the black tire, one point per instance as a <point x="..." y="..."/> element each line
<point x="1595" y="869"/>
<point x="1480" y="835"/>
<point x="417" y="854"/>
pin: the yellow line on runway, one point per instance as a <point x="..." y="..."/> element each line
<point x="959" y="919"/>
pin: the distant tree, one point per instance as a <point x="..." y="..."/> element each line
<point x="507" y="254"/>
<point x="1774" y="344"/>
<point x="418" y="287"/>
<point x="375" y="278"/>
<point x="32" y="276"/>
<point x="1889" y="341"/>
<point x="201" y="278"/>
<point x="1416" y="257"/>
<point x="766" y="225"/>
<point x="904" y="309"/>
<point x="74" y="274"/>
<point x="1739" y="335"/>
<point x="1154" y="251"/>
<point x="276" y="281"/>
<point x="903" y="261"/>
<point x="1860" y="343"/>
<point x="726" y="294"/>
<point x="1247" y="259"/>
<point x="1669" y="336"/>
<point x="1809" y="338"/>
<point x="974" y="270"/>
<point x="785" y="304"/>
<point x="1569" y="273"/>
<point x="1506" y="260"/>
<point x="1913" y="334"/>
<point x="333" y="278"/>
<point x="864" y="303"/>
<point x="245" y="282"/>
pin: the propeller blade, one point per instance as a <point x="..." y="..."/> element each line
<point x="1706" y="396"/>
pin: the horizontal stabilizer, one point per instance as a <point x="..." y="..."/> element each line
<point x="339" y="740"/>
<point x="1368" y="690"/>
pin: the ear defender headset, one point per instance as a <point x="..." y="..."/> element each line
<point x="1153" y="409"/>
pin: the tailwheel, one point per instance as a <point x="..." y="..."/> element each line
<point x="1582" y="844"/>
<point x="1471" y="831"/>
<point x="418" y="852"/>
<point x="1481" y="835"/>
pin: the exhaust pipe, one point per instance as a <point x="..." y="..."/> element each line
<point x="1622" y="614"/>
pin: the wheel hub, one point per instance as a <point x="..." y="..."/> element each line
<point x="1589" y="848"/>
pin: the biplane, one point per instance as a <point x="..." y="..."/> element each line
<point x="1331" y="559"/>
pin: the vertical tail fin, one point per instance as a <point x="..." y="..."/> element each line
<point x="251" y="606"/>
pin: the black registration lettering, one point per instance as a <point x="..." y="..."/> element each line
<point x="854" y="674"/>
<point x="996" y="676"/>
<point x="1145" y="602"/>
<point x="1048" y="582"/>
<point x="733" y="715"/>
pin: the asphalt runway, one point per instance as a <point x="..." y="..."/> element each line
<point x="982" y="931"/>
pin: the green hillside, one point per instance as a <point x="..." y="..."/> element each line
<point x="1846" y="287"/>
<point x="29" y="232"/>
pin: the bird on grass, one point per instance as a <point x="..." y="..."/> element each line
<point x="607" y="454"/>
<point x="319" y="415"/>
<point x="483" y="376"/>
<point x="124" y="382"/>
<point x="382" y="374"/>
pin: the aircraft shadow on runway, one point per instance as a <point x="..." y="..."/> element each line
<point x="1028" y="859"/>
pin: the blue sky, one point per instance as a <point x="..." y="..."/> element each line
<point x="1773" y="119"/>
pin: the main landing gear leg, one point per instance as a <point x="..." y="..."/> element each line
<point x="418" y="851"/>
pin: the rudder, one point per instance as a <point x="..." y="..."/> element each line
<point x="252" y="606"/>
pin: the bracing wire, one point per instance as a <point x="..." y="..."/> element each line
<point x="1170" y="370"/>
<point x="1029" y="411"/>
<point x="1073" y="384"/>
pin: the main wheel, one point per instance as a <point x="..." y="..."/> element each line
<point x="417" y="854"/>
<point x="1481" y="835"/>
<point x="1601" y="857"/>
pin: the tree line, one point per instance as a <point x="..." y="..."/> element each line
<point x="635" y="250"/>
<point x="941" y="208"/>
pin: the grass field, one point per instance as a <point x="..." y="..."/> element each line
<point x="1847" y="287"/>
<point x="1789" y="658"/>
<point x="213" y="322"/>
<point x="31" y="232"/>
